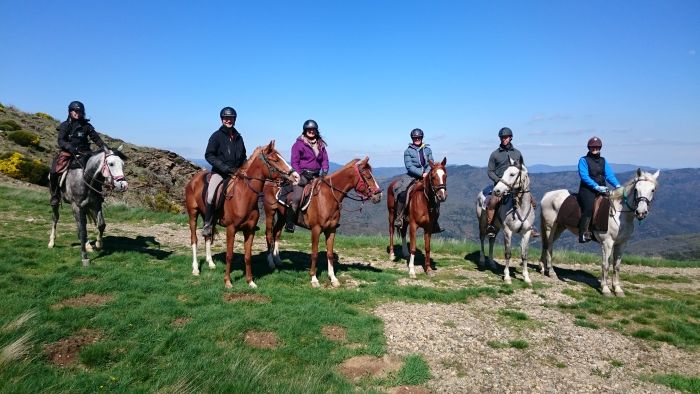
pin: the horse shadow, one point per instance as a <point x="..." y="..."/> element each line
<point x="141" y="244"/>
<point x="419" y="259"/>
<point x="292" y="260"/>
<point x="576" y="275"/>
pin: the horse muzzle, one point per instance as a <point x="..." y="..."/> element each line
<point x="120" y="185"/>
<point x="442" y="195"/>
<point x="376" y="198"/>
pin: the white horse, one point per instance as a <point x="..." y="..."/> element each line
<point x="626" y="203"/>
<point x="515" y="215"/>
<point x="83" y="189"/>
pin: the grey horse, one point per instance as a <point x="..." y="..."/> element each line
<point x="515" y="215"/>
<point x="83" y="189"/>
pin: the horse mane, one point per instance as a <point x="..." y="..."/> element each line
<point x="250" y="159"/>
<point x="627" y="187"/>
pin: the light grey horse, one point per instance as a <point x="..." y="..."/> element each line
<point x="626" y="203"/>
<point x="515" y="216"/>
<point x="83" y="189"/>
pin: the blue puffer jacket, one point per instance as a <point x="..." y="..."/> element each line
<point x="411" y="158"/>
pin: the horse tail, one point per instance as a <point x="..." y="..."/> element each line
<point x="544" y="235"/>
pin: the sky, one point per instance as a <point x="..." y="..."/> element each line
<point x="157" y="74"/>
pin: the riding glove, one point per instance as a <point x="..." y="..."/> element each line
<point x="323" y="173"/>
<point x="601" y="189"/>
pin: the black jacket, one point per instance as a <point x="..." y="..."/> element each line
<point x="499" y="161"/>
<point x="73" y="136"/>
<point x="225" y="151"/>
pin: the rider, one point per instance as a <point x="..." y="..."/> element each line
<point x="309" y="160"/>
<point x="499" y="161"/>
<point x="416" y="158"/>
<point x="73" y="140"/>
<point x="594" y="171"/>
<point x="226" y="153"/>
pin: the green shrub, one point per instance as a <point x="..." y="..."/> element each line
<point x="24" y="138"/>
<point x="15" y="165"/>
<point x="160" y="202"/>
<point x="9" y="125"/>
<point x="43" y="115"/>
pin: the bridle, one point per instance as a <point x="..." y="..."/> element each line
<point x="361" y="187"/>
<point x="106" y="173"/>
<point x="434" y="189"/>
<point x="271" y="169"/>
<point x="636" y="198"/>
<point x="518" y="180"/>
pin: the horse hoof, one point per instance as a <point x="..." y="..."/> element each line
<point x="315" y="285"/>
<point x="392" y="257"/>
<point x="606" y="292"/>
<point x="195" y="273"/>
<point x="98" y="245"/>
<point x="412" y="275"/>
<point x="335" y="283"/>
<point x="252" y="285"/>
<point x="50" y="245"/>
<point x="212" y="266"/>
<point x="86" y="262"/>
<point x="619" y="293"/>
<point x="508" y="280"/>
<point x="431" y="273"/>
<point x="88" y="247"/>
<point x="228" y="285"/>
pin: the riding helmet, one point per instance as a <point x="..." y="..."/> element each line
<point x="595" y="142"/>
<point x="310" y="124"/>
<point x="227" y="112"/>
<point x="505" y="132"/>
<point x="416" y="133"/>
<point x="76" y="106"/>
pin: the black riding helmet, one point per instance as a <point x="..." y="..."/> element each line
<point x="76" y="106"/>
<point x="416" y="133"/>
<point x="310" y="125"/>
<point x="228" y="112"/>
<point x="505" y="132"/>
<point x="595" y="142"/>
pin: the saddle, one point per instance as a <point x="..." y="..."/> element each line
<point x="219" y="194"/>
<point x="284" y="195"/>
<point x="570" y="212"/>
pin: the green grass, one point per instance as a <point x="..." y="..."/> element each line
<point x="679" y="382"/>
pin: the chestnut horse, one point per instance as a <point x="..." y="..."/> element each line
<point x="323" y="212"/>
<point x="240" y="209"/>
<point x="421" y="213"/>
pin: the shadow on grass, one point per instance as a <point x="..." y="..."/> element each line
<point x="418" y="260"/>
<point x="291" y="261"/>
<point x="148" y="245"/>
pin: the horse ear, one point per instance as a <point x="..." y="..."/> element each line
<point x="512" y="162"/>
<point x="656" y="174"/>
<point x="444" y="161"/>
<point x="639" y="172"/>
<point x="432" y="163"/>
<point x="120" y="147"/>
<point x="364" y="161"/>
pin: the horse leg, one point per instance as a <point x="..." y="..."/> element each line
<point x="554" y="232"/>
<point x="55" y="214"/>
<point x="230" y="233"/>
<point x="412" y="235"/>
<point x="315" y="235"/>
<point x="81" y="221"/>
<point x="404" y="245"/>
<point x="277" y="231"/>
<point x="426" y="267"/>
<point x="330" y="238"/>
<point x="248" y="248"/>
<point x="101" y="225"/>
<point x="492" y="241"/>
<point x="207" y="250"/>
<point x="391" y="236"/>
<point x="507" y="234"/>
<point x="617" y="261"/>
<point x="193" y="241"/>
<point x="269" y="236"/>
<point x="524" y="245"/>
<point x="607" y="247"/>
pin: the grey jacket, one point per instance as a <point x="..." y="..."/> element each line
<point x="500" y="161"/>
<point x="411" y="158"/>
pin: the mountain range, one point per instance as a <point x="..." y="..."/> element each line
<point x="157" y="179"/>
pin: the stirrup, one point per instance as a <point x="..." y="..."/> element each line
<point x="491" y="231"/>
<point x="206" y="230"/>
<point x="585" y="237"/>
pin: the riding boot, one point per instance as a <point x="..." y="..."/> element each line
<point x="208" y="218"/>
<point x="55" y="188"/>
<point x="398" y="214"/>
<point x="490" y="228"/>
<point x="584" y="235"/>
<point x="289" y="216"/>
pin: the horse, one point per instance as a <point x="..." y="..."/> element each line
<point x="83" y="189"/>
<point x="422" y="210"/>
<point x="240" y="208"/>
<point x="631" y="201"/>
<point x="323" y="211"/>
<point x="515" y="216"/>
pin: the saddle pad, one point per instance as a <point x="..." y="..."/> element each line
<point x="308" y="193"/>
<point x="601" y="212"/>
<point x="569" y="212"/>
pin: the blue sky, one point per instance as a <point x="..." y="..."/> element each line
<point x="557" y="72"/>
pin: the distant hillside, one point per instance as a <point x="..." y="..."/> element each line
<point x="156" y="177"/>
<point x="544" y="168"/>
<point x="676" y="247"/>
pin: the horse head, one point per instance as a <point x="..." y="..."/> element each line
<point x="438" y="179"/>
<point x="514" y="177"/>
<point x="644" y="187"/>
<point x="365" y="184"/>
<point x="113" y="169"/>
<point x="274" y="163"/>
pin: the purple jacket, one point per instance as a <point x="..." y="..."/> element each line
<point x="303" y="157"/>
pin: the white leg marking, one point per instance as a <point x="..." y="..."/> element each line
<point x="195" y="265"/>
<point x="411" y="267"/>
